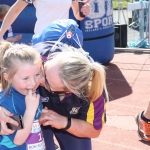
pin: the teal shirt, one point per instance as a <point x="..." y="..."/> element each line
<point x="15" y="103"/>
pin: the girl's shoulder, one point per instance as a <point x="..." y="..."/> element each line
<point x="6" y="102"/>
<point x="9" y="103"/>
<point x="29" y="1"/>
<point x="4" y="96"/>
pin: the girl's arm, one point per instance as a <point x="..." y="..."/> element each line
<point x="32" y="102"/>
<point x="23" y="134"/>
<point x="11" y="15"/>
<point x="85" y="9"/>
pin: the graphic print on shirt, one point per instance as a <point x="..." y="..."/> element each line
<point x="44" y="99"/>
<point x="75" y="110"/>
<point x="35" y="140"/>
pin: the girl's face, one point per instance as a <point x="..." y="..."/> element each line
<point x="27" y="77"/>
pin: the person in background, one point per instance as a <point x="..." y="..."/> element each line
<point x="143" y="122"/>
<point x="47" y="11"/>
<point x="8" y="35"/>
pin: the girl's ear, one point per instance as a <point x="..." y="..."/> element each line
<point x="6" y="76"/>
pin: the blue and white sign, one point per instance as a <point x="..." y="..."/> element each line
<point x="98" y="31"/>
<point x="100" y="19"/>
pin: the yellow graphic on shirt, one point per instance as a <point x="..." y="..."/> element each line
<point x="90" y="114"/>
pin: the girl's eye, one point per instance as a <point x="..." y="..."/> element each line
<point x="25" y="79"/>
<point x="37" y="74"/>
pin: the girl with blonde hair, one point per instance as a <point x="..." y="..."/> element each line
<point x="20" y="74"/>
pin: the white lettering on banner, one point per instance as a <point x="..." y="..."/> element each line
<point x="97" y="9"/>
<point x="95" y="23"/>
<point x="96" y="20"/>
<point x="104" y="22"/>
<point x="110" y="20"/>
<point x="109" y="8"/>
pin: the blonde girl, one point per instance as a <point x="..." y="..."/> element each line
<point x="20" y="74"/>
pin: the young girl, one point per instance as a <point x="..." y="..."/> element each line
<point x="20" y="74"/>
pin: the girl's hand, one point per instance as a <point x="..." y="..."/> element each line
<point x="32" y="101"/>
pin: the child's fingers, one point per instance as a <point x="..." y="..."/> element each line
<point x="86" y="1"/>
<point x="29" y="92"/>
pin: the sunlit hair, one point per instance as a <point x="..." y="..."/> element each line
<point x="3" y="10"/>
<point x="84" y="78"/>
<point x="11" y="57"/>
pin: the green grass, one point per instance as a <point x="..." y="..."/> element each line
<point x="124" y="3"/>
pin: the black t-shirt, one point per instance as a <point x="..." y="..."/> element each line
<point x="71" y="106"/>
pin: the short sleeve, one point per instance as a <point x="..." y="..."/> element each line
<point x="96" y="113"/>
<point x="8" y="106"/>
<point x="29" y="1"/>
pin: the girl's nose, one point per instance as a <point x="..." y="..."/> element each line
<point x="33" y="82"/>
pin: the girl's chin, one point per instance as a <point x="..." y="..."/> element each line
<point x="42" y="84"/>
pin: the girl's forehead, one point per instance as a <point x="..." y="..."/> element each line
<point x="28" y="67"/>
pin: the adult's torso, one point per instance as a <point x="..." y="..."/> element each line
<point x="49" y="10"/>
<point x="70" y="106"/>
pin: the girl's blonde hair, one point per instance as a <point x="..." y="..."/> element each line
<point x="84" y="78"/>
<point x="11" y="56"/>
